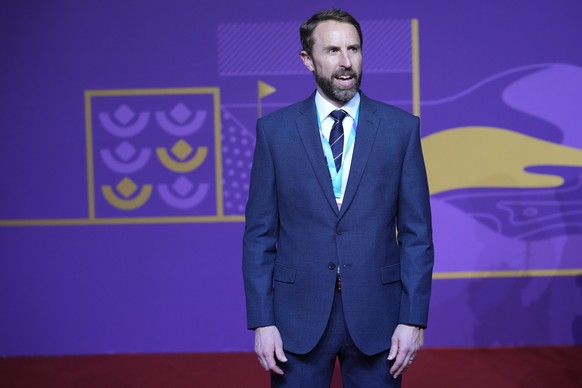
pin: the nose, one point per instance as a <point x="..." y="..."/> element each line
<point x="346" y="61"/>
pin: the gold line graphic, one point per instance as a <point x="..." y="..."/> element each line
<point x="508" y="274"/>
<point x="122" y="221"/>
<point x="146" y="92"/>
<point x="218" y="152"/>
<point x="190" y="165"/>
<point x="127" y="204"/>
<point x="415" y="68"/>
<point x="89" y="146"/>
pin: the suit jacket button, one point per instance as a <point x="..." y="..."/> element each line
<point x="331" y="265"/>
<point x="339" y="231"/>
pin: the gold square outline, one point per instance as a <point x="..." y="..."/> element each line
<point x="215" y="92"/>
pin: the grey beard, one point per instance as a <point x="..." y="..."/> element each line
<point x="332" y="91"/>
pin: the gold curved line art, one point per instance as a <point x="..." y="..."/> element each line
<point x="490" y="157"/>
<point x="127" y="204"/>
<point x="187" y="166"/>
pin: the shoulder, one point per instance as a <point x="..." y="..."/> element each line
<point x="388" y="112"/>
<point x="287" y="115"/>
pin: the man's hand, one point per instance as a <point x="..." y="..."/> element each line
<point x="405" y="344"/>
<point x="268" y="345"/>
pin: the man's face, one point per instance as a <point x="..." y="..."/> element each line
<point x="335" y="60"/>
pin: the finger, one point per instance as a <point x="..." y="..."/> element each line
<point x="260" y="356"/>
<point x="410" y="357"/>
<point x="401" y="363"/>
<point x="393" y="350"/>
<point x="262" y="362"/>
<point x="278" y="371"/>
<point x="399" y="371"/>
<point x="397" y="368"/>
<point x="280" y="354"/>
<point x="265" y="357"/>
<point x="273" y="367"/>
<point x="272" y="364"/>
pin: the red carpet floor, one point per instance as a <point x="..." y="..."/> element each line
<point x="530" y="367"/>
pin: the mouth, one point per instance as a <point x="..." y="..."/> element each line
<point x="345" y="80"/>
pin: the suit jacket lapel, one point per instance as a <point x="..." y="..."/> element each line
<point x="366" y="131"/>
<point x="308" y="128"/>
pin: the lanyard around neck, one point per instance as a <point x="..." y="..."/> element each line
<point x="337" y="175"/>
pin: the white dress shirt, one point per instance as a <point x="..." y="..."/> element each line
<point x="324" y="108"/>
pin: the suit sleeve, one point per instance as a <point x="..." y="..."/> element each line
<point x="415" y="234"/>
<point x="260" y="236"/>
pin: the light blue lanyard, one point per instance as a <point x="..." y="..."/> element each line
<point x="336" y="176"/>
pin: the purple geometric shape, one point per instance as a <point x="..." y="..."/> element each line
<point x="125" y="151"/>
<point x="237" y="160"/>
<point x="187" y="202"/>
<point x="553" y="94"/>
<point x="525" y="214"/>
<point x="126" y="130"/>
<point x="271" y="48"/>
<point x="126" y="168"/>
<point x="124" y="114"/>
<point x="182" y="129"/>
<point x="180" y="113"/>
<point x="182" y="186"/>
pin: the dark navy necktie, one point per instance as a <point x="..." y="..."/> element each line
<point x="336" y="137"/>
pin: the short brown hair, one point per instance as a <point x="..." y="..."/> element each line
<point x="338" y="15"/>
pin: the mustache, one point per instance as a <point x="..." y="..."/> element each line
<point x="346" y="72"/>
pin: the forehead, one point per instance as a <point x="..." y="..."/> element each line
<point x="334" y="33"/>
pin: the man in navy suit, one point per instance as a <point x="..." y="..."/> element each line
<point x="338" y="250"/>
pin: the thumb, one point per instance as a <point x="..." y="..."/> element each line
<point x="280" y="354"/>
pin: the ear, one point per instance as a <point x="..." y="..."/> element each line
<point x="306" y="60"/>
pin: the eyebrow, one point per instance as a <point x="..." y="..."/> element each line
<point x="351" y="46"/>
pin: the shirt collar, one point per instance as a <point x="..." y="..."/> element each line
<point x="324" y="107"/>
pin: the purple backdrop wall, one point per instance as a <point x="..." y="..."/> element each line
<point x="126" y="132"/>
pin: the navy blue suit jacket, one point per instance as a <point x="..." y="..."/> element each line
<point x="295" y="236"/>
